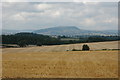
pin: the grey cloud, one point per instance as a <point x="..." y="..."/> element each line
<point x="92" y="16"/>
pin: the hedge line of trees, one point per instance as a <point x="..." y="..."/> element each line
<point x="24" y="39"/>
<point x="29" y="39"/>
<point x="84" y="39"/>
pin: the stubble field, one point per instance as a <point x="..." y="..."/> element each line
<point x="56" y="62"/>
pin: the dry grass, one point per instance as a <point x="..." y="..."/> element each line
<point x="80" y="64"/>
<point x="59" y="48"/>
<point x="56" y="62"/>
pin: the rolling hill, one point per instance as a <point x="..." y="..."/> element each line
<point x="72" y="31"/>
<point x="63" y="30"/>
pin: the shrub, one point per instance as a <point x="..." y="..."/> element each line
<point x="104" y="49"/>
<point x="39" y="44"/>
<point x="76" y="50"/>
<point x="85" y="48"/>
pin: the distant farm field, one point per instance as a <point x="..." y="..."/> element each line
<point x="56" y="62"/>
<point x="62" y="48"/>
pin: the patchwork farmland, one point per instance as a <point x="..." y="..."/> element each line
<point x="57" y="62"/>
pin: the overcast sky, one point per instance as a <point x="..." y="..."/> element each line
<point x="34" y="16"/>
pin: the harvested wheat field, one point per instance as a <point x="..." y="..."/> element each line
<point x="62" y="48"/>
<point x="42" y="62"/>
<point x="78" y="64"/>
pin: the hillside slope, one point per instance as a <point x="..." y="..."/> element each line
<point x="71" y="31"/>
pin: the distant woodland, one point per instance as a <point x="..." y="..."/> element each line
<point x="24" y="39"/>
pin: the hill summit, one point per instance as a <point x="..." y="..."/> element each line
<point x="62" y="30"/>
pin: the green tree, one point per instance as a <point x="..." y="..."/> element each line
<point x="22" y="43"/>
<point x="85" y="47"/>
<point x="39" y="44"/>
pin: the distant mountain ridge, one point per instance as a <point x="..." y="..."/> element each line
<point x="72" y="30"/>
<point x="59" y="31"/>
<point x="64" y="30"/>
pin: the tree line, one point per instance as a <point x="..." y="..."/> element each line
<point x="24" y="39"/>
